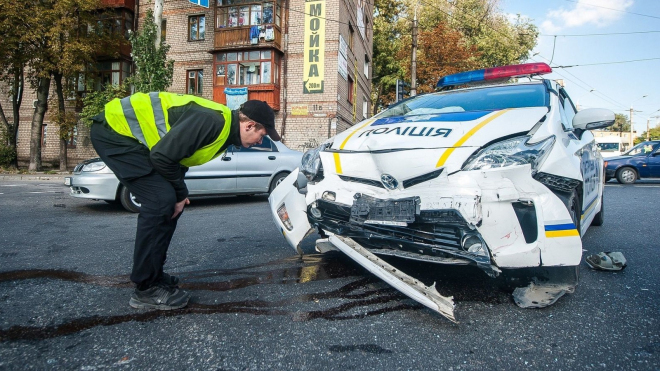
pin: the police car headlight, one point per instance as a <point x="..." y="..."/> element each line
<point x="511" y="152"/>
<point x="311" y="164"/>
<point x="98" y="167"/>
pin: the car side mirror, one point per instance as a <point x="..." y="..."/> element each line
<point x="593" y="118"/>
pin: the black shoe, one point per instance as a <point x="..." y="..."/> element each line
<point x="160" y="297"/>
<point x="169" y="280"/>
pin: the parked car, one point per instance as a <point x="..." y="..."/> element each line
<point x="499" y="176"/>
<point x="642" y="161"/>
<point x="610" y="145"/>
<point x="241" y="171"/>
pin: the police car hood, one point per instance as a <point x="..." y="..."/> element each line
<point x="445" y="130"/>
<point x="409" y="146"/>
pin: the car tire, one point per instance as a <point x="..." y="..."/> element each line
<point x="626" y="175"/>
<point x="128" y="201"/>
<point x="599" y="219"/>
<point x="575" y="209"/>
<point x="276" y="181"/>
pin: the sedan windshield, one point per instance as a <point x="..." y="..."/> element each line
<point x="482" y="99"/>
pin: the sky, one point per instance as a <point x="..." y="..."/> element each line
<point x="615" y="86"/>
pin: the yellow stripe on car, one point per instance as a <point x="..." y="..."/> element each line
<point x="564" y="233"/>
<point x="343" y="144"/>
<point x="467" y="136"/>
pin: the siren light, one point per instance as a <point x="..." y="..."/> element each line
<point x="495" y="73"/>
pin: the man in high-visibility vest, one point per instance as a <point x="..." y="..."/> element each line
<point x="149" y="141"/>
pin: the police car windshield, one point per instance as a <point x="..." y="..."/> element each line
<point x="481" y="99"/>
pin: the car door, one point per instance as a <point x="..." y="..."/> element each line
<point x="653" y="162"/>
<point x="255" y="165"/>
<point x="591" y="164"/>
<point x="214" y="177"/>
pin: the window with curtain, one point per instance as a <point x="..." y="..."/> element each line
<point x="196" y="27"/>
<point x="249" y="67"/>
<point x="238" y="13"/>
<point x="195" y="81"/>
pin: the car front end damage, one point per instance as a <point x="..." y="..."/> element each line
<point x="487" y="206"/>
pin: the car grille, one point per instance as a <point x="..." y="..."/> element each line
<point x="436" y="229"/>
<point x="406" y="183"/>
<point x="559" y="183"/>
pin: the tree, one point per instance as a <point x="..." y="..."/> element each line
<point x="621" y="124"/>
<point x="16" y="51"/>
<point x="95" y="102"/>
<point x="454" y="36"/>
<point x="73" y="50"/>
<point x="153" y="71"/>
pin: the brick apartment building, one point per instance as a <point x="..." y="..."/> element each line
<point x="310" y="60"/>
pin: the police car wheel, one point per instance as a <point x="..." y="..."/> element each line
<point x="574" y="209"/>
<point x="599" y="219"/>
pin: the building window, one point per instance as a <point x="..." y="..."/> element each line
<point x="250" y="67"/>
<point x="72" y="141"/>
<point x="365" y="108"/>
<point x="118" y="22"/>
<point x="44" y="131"/>
<point x="196" y="26"/>
<point x="351" y="36"/>
<point x="112" y="73"/>
<point x="163" y="30"/>
<point x="350" y="89"/>
<point x="238" y="13"/>
<point x="195" y="81"/>
<point x="366" y="66"/>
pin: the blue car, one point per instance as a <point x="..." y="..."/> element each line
<point x="642" y="161"/>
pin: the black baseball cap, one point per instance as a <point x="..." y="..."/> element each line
<point x="260" y="111"/>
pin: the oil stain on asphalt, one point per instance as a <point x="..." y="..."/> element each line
<point x="364" y="296"/>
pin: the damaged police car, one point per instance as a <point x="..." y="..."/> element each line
<point x="501" y="176"/>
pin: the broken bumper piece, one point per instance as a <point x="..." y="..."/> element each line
<point x="425" y="295"/>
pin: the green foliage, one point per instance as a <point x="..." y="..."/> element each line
<point x="153" y="71"/>
<point x="621" y="123"/>
<point x="94" y="102"/>
<point x="7" y="153"/>
<point x="454" y="36"/>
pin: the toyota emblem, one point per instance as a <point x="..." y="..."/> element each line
<point x="389" y="181"/>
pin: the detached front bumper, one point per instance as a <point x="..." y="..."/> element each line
<point x="498" y="218"/>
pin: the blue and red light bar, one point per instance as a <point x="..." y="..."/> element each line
<point x="495" y="73"/>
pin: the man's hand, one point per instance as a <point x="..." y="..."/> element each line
<point x="178" y="207"/>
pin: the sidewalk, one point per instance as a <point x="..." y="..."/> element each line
<point x="40" y="176"/>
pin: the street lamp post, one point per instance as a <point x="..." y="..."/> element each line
<point x="648" y="129"/>
<point x="579" y="107"/>
<point x="631" y="120"/>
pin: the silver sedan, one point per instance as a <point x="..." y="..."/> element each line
<point x="241" y="171"/>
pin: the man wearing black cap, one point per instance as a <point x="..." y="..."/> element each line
<point x="149" y="141"/>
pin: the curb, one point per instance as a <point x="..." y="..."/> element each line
<point x="39" y="177"/>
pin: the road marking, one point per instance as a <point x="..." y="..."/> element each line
<point x="633" y="186"/>
<point x="10" y="185"/>
<point x="36" y="192"/>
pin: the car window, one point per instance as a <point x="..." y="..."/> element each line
<point x="568" y="109"/>
<point x="642" y="149"/>
<point x="265" y="146"/>
<point x="480" y="99"/>
<point x="605" y="147"/>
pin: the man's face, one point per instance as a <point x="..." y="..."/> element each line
<point x="250" y="135"/>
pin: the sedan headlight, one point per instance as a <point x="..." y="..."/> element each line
<point x="510" y="152"/>
<point x="310" y="164"/>
<point x="97" y="166"/>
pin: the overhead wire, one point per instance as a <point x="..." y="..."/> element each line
<point x="614" y="9"/>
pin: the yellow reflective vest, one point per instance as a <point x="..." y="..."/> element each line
<point x="144" y="117"/>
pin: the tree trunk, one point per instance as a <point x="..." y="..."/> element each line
<point x="37" y="123"/>
<point x="60" y="109"/>
<point x="16" y="100"/>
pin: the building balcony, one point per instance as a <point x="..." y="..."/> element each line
<point x="128" y="4"/>
<point x="269" y="93"/>
<point x="232" y="38"/>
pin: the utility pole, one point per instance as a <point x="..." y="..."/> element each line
<point x="647" y="129"/>
<point x="158" y="20"/>
<point x="413" y="64"/>
<point x="631" y="127"/>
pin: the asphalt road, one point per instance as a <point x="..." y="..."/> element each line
<point x="64" y="293"/>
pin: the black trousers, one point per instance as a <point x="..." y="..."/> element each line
<point x="129" y="160"/>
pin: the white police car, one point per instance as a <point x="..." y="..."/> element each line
<point x="500" y="176"/>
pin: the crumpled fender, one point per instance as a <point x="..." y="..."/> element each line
<point x="286" y="194"/>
